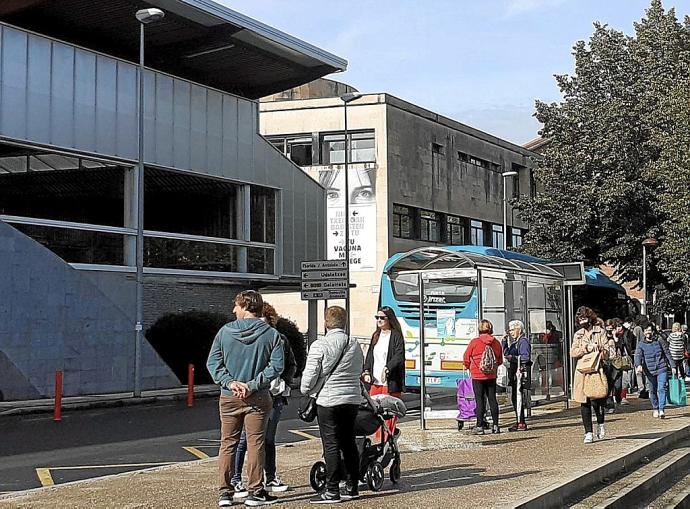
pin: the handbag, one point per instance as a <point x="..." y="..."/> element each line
<point x="595" y="385"/>
<point x="677" y="392"/>
<point x="307" y="405"/>
<point x="588" y="363"/>
<point x="502" y="376"/>
<point x="622" y="363"/>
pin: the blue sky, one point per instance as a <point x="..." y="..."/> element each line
<point x="482" y="62"/>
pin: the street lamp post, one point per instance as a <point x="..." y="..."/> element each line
<point x="505" y="175"/>
<point x="145" y="17"/>
<point x="646" y="243"/>
<point x="347" y="98"/>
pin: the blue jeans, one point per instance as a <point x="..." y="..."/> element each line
<point x="270" y="444"/>
<point x="657" y="389"/>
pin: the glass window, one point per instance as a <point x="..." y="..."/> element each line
<point x="516" y="237"/>
<point x="463" y="157"/>
<point x="493" y="304"/>
<point x="455" y="230"/>
<point x="430" y="225"/>
<point x="260" y="260"/>
<point x="263" y="214"/>
<point x="278" y="143"/>
<point x="299" y="151"/>
<point x="497" y="236"/>
<point x="362" y="147"/>
<point x="189" y="255"/>
<point x="447" y="291"/>
<point x="476" y="233"/>
<point x="403" y="222"/>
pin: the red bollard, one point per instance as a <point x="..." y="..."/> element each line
<point x="190" y="386"/>
<point x="57" y="414"/>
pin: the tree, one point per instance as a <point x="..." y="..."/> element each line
<point x="617" y="168"/>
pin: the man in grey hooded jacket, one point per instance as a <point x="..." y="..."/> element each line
<point x="245" y="356"/>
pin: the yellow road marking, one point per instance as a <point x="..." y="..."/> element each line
<point x="196" y="452"/>
<point x="45" y="477"/>
<point x="121" y="465"/>
<point x="303" y="434"/>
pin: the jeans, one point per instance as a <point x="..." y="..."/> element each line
<point x="269" y="447"/>
<point x="657" y="389"/>
<point x="250" y="413"/>
<point x="586" y="412"/>
<point x="337" y="427"/>
<point x="485" y="389"/>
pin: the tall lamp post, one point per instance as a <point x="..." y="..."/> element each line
<point x="650" y="243"/>
<point x="145" y="17"/>
<point x="505" y="175"/>
<point x="347" y="98"/>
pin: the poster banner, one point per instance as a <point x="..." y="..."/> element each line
<point x="445" y="323"/>
<point x="362" y="215"/>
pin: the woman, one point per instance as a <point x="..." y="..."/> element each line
<point x="614" y="375"/>
<point x="590" y="337"/>
<point x="483" y="356"/>
<point x="333" y="369"/>
<point x="518" y="353"/>
<point x="384" y="366"/>
<point x="653" y="358"/>
<point x="678" y="346"/>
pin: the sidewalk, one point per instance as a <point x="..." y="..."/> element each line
<point x="440" y="468"/>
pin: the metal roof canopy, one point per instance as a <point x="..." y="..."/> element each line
<point x="438" y="259"/>
<point x="199" y="40"/>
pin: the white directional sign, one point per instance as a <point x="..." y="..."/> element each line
<point x="324" y="264"/>
<point x="324" y="295"/>
<point x="317" y="275"/>
<point x="324" y="285"/>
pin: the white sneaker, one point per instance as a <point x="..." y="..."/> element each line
<point x="241" y="490"/>
<point x="276" y="486"/>
<point x="655" y="413"/>
<point x="687" y="378"/>
<point x="661" y="414"/>
<point x="601" y="432"/>
<point x="625" y="402"/>
<point x="589" y="438"/>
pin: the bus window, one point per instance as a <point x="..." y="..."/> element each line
<point x="444" y="291"/>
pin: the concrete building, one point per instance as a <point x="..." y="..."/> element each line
<point x="417" y="179"/>
<point x="223" y="209"/>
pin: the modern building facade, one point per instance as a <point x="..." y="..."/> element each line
<point x="416" y="179"/>
<point x="223" y="209"/>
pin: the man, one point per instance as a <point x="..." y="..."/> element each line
<point x="245" y="357"/>
<point x="518" y="352"/>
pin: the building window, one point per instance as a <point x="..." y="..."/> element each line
<point x="262" y="215"/>
<point x="299" y="151"/>
<point x="463" y="157"/>
<point x="278" y="143"/>
<point x="455" y="230"/>
<point x="497" y="236"/>
<point x="516" y="237"/>
<point x="476" y="233"/>
<point x="429" y="226"/>
<point x="403" y="222"/>
<point x="437" y="163"/>
<point x="516" y="179"/>
<point x="362" y="147"/>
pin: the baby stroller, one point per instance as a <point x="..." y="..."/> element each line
<point x="373" y="458"/>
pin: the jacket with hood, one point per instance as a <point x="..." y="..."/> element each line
<point x="247" y="350"/>
<point x="474" y="352"/>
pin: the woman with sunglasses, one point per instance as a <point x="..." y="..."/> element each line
<point x="384" y="366"/>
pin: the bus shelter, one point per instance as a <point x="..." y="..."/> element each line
<point x="454" y="291"/>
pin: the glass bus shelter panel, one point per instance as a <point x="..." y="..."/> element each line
<point x="493" y="304"/>
<point x="516" y="300"/>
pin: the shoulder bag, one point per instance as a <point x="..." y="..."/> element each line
<point x="589" y="363"/>
<point x="595" y="385"/>
<point x="307" y="405"/>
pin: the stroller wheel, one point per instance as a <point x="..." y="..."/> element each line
<point x="375" y="476"/>
<point x="317" y="476"/>
<point x="461" y="424"/>
<point x="394" y="471"/>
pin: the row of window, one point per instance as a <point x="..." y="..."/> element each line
<point x="326" y="148"/>
<point x="420" y="224"/>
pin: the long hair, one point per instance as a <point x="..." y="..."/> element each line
<point x="392" y="321"/>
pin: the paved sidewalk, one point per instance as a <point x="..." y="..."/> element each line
<point x="440" y="468"/>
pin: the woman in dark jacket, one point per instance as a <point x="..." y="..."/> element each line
<point x="384" y="366"/>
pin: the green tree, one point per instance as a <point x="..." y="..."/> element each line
<point x="617" y="168"/>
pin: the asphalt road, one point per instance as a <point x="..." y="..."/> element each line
<point x="36" y="451"/>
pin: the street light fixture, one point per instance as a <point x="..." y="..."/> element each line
<point x="505" y="175"/>
<point x="650" y="243"/>
<point x="347" y="98"/>
<point x="145" y="17"/>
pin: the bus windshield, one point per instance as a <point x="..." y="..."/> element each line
<point x="440" y="291"/>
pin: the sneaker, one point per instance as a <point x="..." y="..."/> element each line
<point x="478" y="431"/>
<point x="611" y="411"/>
<point x="276" y="486"/>
<point x="326" y="497"/>
<point x="225" y="499"/>
<point x="589" y="438"/>
<point x="241" y="490"/>
<point x="349" y="492"/>
<point x="655" y="413"/>
<point x="601" y="432"/>
<point x="495" y="430"/>
<point x="518" y="426"/>
<point x="662" y="415"/>
<point x="260" y="497"/>
<point x="625" y="402"/>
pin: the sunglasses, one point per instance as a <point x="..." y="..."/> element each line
<point x="381" y="317"/>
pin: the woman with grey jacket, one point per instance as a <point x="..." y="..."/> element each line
<point x="334" y="365"/>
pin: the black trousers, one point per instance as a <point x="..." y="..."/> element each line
<point x="485" y="389"/>
<point x="337" y="428"/>
<point x="586" y="411"/>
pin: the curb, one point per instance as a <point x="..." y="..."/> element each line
<point x="554" y="496"/>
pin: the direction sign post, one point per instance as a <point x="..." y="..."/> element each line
<point x="324" y="279"/>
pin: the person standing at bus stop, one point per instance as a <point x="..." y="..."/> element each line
<point x="518" y="352"/>
<point x="483" y="356"/>
<point x="384" y="366"/>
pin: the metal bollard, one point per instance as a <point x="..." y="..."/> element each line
<point x="190" y="386"/>
<point x="57" y="414"/>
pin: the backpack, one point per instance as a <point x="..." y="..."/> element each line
<point x="487" y="364"/>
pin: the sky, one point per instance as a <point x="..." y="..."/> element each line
<point x="481" y="62"/>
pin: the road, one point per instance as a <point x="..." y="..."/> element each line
<point x="38" y="452"/>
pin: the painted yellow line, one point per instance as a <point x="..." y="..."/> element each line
<point x="45" y="477"/>
<point x="303" y="434"/>
<point x="196" y="452"/>
<point x="122" y="465"/>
